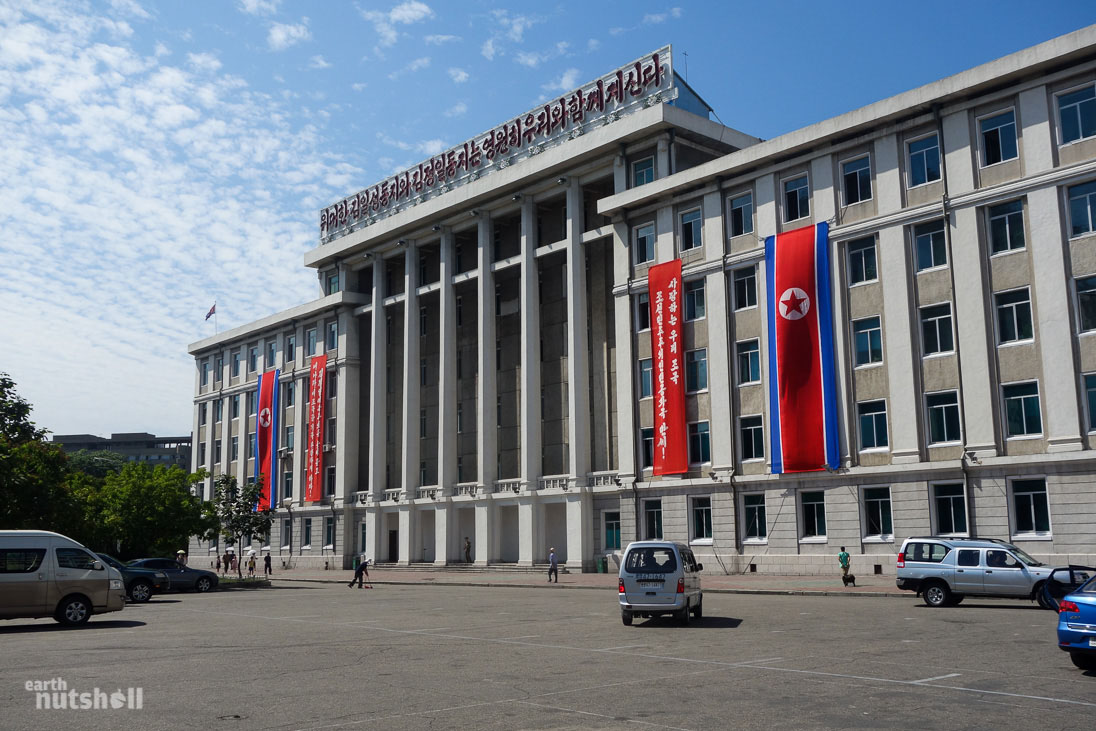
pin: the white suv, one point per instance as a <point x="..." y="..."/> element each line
<point x="657" y="578"/>
<point x="944" y="570"/>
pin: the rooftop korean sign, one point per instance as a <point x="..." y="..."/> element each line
<point x="645" y="82"/>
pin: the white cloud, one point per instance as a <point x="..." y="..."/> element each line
<point x="656" y="18"/>
<point x="425" y="147"/>
<point x="567" y="81"/>
<point x="259" y="7"/>
<point x="593" y="44"/>
<point x="358" y="86"/>
<point x="416" y="65"/>
<point x="457" y="110"/>
<point x="282" y="36"/>
<point x="410" y="12"/>
<point x="459" y="76"/>
<point x="403" y="14"/>
<point x="439" y="40"/>
<point x="206" y="62"/>
<point x="130" y="7"/>
<point x="318" y="62"/>
<point x="488" y="49"/>
<point x="161" y="50"/>
<point x="532" y="60"/>
<point x="513" y="27"/>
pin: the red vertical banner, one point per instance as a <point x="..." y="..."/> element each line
<point x="317" y="393"/>
<point x="266" y="440"/>
<point x="671" y="452"/>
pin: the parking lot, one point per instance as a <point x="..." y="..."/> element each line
<point x="305" y="655"/>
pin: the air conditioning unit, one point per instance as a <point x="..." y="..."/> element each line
<point x="329" y="447"/>
<point x="283" y="451"/>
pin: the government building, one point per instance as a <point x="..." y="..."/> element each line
<point x="475" y="378"/>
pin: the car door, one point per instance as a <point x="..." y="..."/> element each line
<point x="24" y="580"/>
<point x="1006" y="575"/>
<point x="78" y="572"/>
<point x="181" y="577"/>
<point x="968" y="571"/>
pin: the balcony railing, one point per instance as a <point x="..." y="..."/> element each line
<point x="554" y="482"/>
<point x="428" y="493"/>
<point x="392" y="496"/>
<point x="467" y="488"/>
<point x="508" y="485"/>
<point x="602" y="479"/>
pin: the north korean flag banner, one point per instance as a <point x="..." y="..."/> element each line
<point x="802" y="393"/>
<point x="316" y="393"/>
<point x="671" y="453"/>
<point x="266" y="441"/>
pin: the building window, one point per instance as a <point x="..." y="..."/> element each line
<point x="696" y="370"/>
<point x="423" y="372"/>
<point x="1082" y="209"/>
<point x="234" y="449"/>
<point x="252" y="401"/>
<point x="460" y="418"/>
<point x="307" y="538"/>
<point x="332" y="335"/>
<point x="460" y="311"/>
<point x="289" y="433"/>
<point x="873" y="424"/>
<point x="1077" y="113"/>
<point x="694" y="299"/>
<point x="422" y="423"/>
<point x="646" y="385"/>
<point x="1090" y="399"/>
<point x="702" y="518"/>
<point x="236" y="364"/>
<point x="943" y="416"/>
<point x="422" y="321"/>
<point x="235" y="409"/>
<point x="643" y="312"/>
<point x="814" y="514"/>
<point x="700" y="451"/>
<point x="1006" y="227"/>
<point x="250" y="446"/>
<point x="936" y="335"/>
<point x="202" y="455"/>
<point x="287" y="534"/>
<point x="252" y="359"/>
<point x="862" y="267"/>
<point x="643" y="243"/>
<point x="1031" y="510"/>
<point x="652" y="520"/>
<point x="924" y="161"/>
<point x="1086" y="303"/>
<point x="753" y="438"/>
<point x="332" y="430"/>
<point x="205" y="373"/>
<point x="612" y="530"/>
<point x="310" y="341"/>
<point x="867" y="337"/>
<point x="753" y="516"/>
<point x="202" y="414"/>
<point x="856" y="175"/>
<point x="1022" y="409"/>
<point x="332" y="384"/>
<point x="951" y="509"/>
<point x="329" y="532"/>
<point x="217" y="451"/>
<point x="745" y="288"/>
<point x="742" y="214"/>
<point x="797" y="199"/>
<point x="329" y="480"/>
<point x="1013" y="316"/>
<point x="877" y="513"/>
<point x="270" y="350"/>
<point x="332" y="284"/>
<point x="643" y="171"/>
<point x="749" y="362"/>
<point x="998" y="138"/>
<point x="647" y="448"/>
<point x="218" y="410"/>
<point x="691" y="223"/>
<point x="930" y="247"/>
<point x="289" y="392"/>
<point x="290" y="348"/>
<point x="422" y="473"/>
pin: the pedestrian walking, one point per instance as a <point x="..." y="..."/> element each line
<point x="251" y="566"/>
<point x="225" y="564"/>
<point x="553" y="565"/>
<point x="360" y="573"/>
<point x="235" y="564"/>
<point x="467" y="550"/>
<point x="267" y="571"/>
<point x="845" y="560"/>
<point x="218" y="563"/>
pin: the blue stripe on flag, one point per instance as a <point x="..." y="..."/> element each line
<point x="774" y="396"/>
<point x="826" y="338"/>
<point x="274" y="440"/>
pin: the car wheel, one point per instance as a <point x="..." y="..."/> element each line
<point x="1084" y="660"/>
<point x="140" y="592"/>
<point x="956" y="599"/>
<point x="698" y="611"/>
<point x="203" y="584"/>
<point x="73" y="610"/>
<point x="626" y="618"/>
<point x="683" y="615"/>
<point x="936" y="594"/>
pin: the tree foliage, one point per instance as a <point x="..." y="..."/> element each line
<point x="233" y="512"/>
<point x="97" y="463"/>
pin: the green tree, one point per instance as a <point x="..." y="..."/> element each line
<point x="234" y="514"/>
<point x="150" y="511"/>
<point x="97" y="463"/>
<point x="32" y="471"/>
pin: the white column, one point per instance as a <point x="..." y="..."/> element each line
<point x="530" y="522"/>
<point x="580" y="531"/>
<point x="1037" y="134"/>
<point x="662" y="157"/>
<point x="717" y="320"/>
<point x="899" y="354"/>
<point x="823" y="201"/>
<point x="372" y="534"/>
<point x="442" y="516"/>
<point x="956" y="147"/>
<point x="412" y="379"/>
<point x="378" y="384"/>
<point x="409" y="546"/>
<point x="447" y="372"/>
<point x="487" y="539"/>
<point x="1058" y="389"/>
<point x="347" y="405"/>
<point x="530" y="463"/>
<point x="625" y="355"/>
<point x="486" y="426"/>
<point x="578" y="350"/>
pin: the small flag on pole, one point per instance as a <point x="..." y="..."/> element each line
<point x="212" y="311"/>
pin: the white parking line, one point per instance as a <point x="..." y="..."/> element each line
<point x="522" y="637"/>
<point x="938" y="677"/>
<point x="623" y="647"/>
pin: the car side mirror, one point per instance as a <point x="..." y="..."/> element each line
<point x="97" y="565"/>
<point x="700" y="567"/>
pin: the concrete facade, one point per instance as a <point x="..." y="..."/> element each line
<point x="489" y="353"/>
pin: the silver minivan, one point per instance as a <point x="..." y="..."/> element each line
<point x="45" y="574"/>
<point x="658" y="578"/>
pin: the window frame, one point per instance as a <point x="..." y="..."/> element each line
<point x="646" y="441"/>
<point x="861" y="246"/>
<point x="1036" y="535"/>
<point x="1062" y="142"/>
<point x="639" y="306"/>
<point x="909" y="161"/>
<point x="709" y="524"/>
<point x="876" y="448"/>
<point x="1004" y="410"/>
<point x="816" y="537"/>
<point x="701" y="367"/>
<point x="951" y="329"/>
<point x="853" y="331"/>
<point x="760" y="431"/>
<point x="1089" y="401"/>
<point x="915" y="236"/>
<point x="784" y="183"/>
<point x="1090" y="208"/>
<point x="880" y="537"/>
<point x="859" y="172"/>
<point x="934" y="509"/>
<point x="1081" y="329"/>
<point x="650" y="378"/>
<point x="747" y="222"/>
<point x="703" y="436"/>
<point x="997" y="317"/>
<point x="652" y="248"/>
<point x="755" y="540"/>
<point x="647" y="503"/>
<point x="752" y="277"/>
<point x="756" y="353"/>
<point x="990" y="218"/>
<point x="605" y="522"/>
<point x="689" y="290"/>
<point x="697" y="226"/>
<point x="983" y="157"/>
<point x="928" y="420"/>
<point x="635" y="166"/>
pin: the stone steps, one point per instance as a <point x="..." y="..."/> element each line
<point x="463" y="568"/>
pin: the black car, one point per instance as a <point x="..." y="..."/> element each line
<point x="182" y="577"/>
<point x="140" y="583"/>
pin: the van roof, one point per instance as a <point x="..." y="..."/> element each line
<point x="958" y="540"/>
<point x="644" y="544"/>
<point x="36" y="534"/>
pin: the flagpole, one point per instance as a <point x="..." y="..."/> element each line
<point x="216" y="327"/>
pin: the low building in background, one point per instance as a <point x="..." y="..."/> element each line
<point x="134" y="446"/>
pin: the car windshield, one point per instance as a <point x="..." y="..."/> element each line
<point x="1024" y="557"/>
<point x="650" y="561"/>
<point x="1089" y="588"/>
<point x="134" y="562"/>
<point x="109" y="560"/>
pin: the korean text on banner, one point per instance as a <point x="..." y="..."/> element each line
<point x="266" y="440"/>
<point x="802" y="393"/>
<point x="317" y="390"/>
<point x="671" y="454"/>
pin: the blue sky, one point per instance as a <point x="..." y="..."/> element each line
<point x="156" y="157"/>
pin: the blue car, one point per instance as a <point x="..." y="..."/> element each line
<point x="1077" y="625"/>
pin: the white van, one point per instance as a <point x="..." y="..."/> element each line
<point x="657" y="578"/>
<point x="45" y="574"/>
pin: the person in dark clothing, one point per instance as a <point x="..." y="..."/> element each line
<point x="267" y="572"/>
<point x="360" y="573"/>
<point x="553" y="565"/>
<point x="467" y="550"/>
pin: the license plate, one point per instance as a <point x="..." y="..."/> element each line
<point x="1092" y="641"/>
<point x="654" y="584"/>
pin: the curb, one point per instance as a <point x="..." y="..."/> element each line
<point x="496" y="585"/>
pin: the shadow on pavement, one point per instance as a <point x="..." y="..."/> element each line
<point x="702" y="623"/>
<point x="56" y="627"/>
